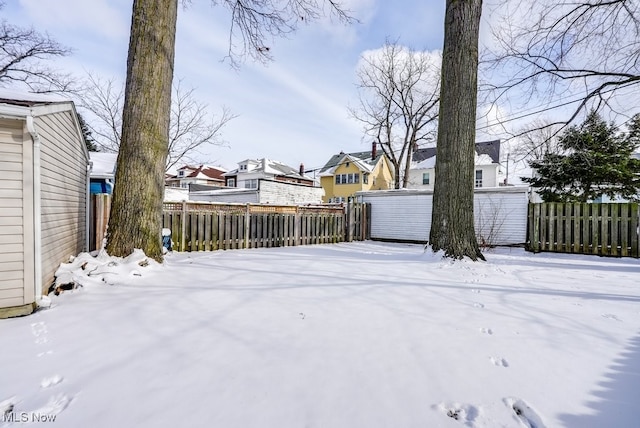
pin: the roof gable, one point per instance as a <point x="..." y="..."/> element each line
<point x="362" y="159"/>
<point x="489" y="148"/>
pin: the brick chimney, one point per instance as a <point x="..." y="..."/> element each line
<point x="374" y="150"/>
<point x="301" y="169"/>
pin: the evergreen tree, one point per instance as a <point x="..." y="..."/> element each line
<point x="596" y="161"/>
<point x="86" y="134"/>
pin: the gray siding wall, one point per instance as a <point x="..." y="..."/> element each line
<point x="279" y="193"/>
<point x="405" y="215"/>
<point x="270" y="192"/>
<point x="229" y="196"/>
<point x="63" y="191"/>
<point x="16" y="216"/>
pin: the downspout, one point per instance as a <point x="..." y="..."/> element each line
<point x="88" y="209"/>
<point x="37" y="208"/>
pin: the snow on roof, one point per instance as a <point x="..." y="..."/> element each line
<point x="9" y="96"/>
<point x="270" y="167"/>
<point x="483" y="160"/>
<point x="430" y="163"/>
<point x="427" y="163"/>
<point x="104" y="164"/>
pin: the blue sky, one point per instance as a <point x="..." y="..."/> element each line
<point x="293" y="109"/>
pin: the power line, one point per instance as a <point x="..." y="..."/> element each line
<point x="549" y="108"/>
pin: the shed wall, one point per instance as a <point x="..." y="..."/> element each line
<point x="16" y="216"/>
<point x="63" y="191"/>
<point x="405" y="215"/>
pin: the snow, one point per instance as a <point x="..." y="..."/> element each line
<point x="10" y="94"/>
<point x="104" y="164"/>
<point x="346" y="335"/>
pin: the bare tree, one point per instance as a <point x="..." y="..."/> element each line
<point x="255" y="22"/>
<point x="103" y="98"/>
<point x="191" y="125"/>
<point x="537" y="138"/>
<point x="452" y="224"/>
<point x="136" y="211"/>
<point x="558" y="49"/>
<point x="23" y="56"/>
<point x="399" y="93"/>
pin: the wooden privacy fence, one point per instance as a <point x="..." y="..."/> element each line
<point x="609" y="229"/>
<point x="100" y="208"/>
<point x="202" y="226"/>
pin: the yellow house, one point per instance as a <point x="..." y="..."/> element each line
<point x="348" y="173"/>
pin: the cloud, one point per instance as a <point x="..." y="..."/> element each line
<point x="106" y="18"/>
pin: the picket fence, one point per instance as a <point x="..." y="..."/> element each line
<point x="607" y="229"/>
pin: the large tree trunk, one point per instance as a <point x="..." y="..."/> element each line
<point x="452" y="228"/>
<point x="136" y="212"/>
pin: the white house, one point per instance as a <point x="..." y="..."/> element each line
<point x="249" y="171"/>
<point x="202" y="174"/>
<point x="268" y="192"/>
<point x="487" y="166"/>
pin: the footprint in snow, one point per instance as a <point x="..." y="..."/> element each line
<point x="478" y="305"/>
<point x="55" y="405"/>
<point x="51" y="381"/>
<point x="475" y="290"/>
<point x="6" y="406"/>
<point x="611" y="317"/>
<point x="465" y="413"/>
<point x="500" y="362"/>
<point x="528" y="417"/>
<point x="486" y="330"/>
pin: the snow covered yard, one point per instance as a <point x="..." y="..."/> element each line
<point x="347" y="335"/>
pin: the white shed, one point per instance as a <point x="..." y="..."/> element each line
<point x="405" y="215"/>
<point x="44" y="184"/>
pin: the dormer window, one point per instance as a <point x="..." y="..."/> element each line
<point x="243" y="167"/>
<point x="181" y="173"/>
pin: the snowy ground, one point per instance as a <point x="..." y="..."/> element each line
<point x="348" y="335"/>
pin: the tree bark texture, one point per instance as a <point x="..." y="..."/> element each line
<point x="136" y="211"/>
<point x="452" y="227"/>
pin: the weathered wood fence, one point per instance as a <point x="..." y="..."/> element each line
<point x="100" y="207"/>
<point x="608" y="229"/>
<point x="208" y="226"/>
<point x="201" y="226"/>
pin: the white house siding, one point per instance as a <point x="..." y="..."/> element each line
<point x="16" y="258"/>
<point x="405" y="215"/>
<point x="269" y="192"/>
<point x="490" y="177"/>
<point x="226" y="195"/>
<point x="274" y="192"/>
<point x="63" y="191"/>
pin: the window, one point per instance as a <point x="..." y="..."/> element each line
<point x="365" y="178"/>
<point x="478" y="178"/>
<point x="231" y="182"/>
<point x="425" y="178"/>
<point x="348" y="178"/>
<point x="251" y="184"/>
<point x="181" y="173"/>
<point x="243" y="167"/>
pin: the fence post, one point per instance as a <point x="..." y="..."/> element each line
<point x="247" y="223"/>
<point x="183" y="226"/>
<point x="296" y="227"/>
